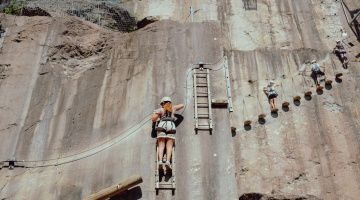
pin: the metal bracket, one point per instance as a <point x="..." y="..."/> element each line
<point x="11" y="164"/>
<point x="228" y="86"/>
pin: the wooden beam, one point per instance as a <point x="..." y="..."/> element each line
<point x="354" y="18"/>
<point x="115" y="189"/>
<point x="219" y="103"/>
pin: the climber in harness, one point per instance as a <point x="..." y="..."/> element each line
<point x="340" y="52"/>
<point x="316" y="72"/>
<point x="271" y="94"/>
<point x="166" y="129"/>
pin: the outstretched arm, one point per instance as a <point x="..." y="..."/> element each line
<point x="265" y="90"/>
<point x="154" y="117"/>
<point x="179" y="107"/>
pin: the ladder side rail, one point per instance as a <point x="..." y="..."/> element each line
<point x="195" y="101"/>
<point x="173" y="166"/>
<point x="157" y="175"/>
<point x="209" y="98"/>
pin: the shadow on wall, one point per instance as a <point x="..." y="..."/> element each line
<point x="258" y="196"/>
<point x="251" y="196"/>
<point x="131" y="194"/>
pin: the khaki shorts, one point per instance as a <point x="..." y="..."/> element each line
<point x="166" y="129"/>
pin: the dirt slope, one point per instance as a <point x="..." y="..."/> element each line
<point x="76" y="99"/>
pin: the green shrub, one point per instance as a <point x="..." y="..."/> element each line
<point x="14" y="8"/>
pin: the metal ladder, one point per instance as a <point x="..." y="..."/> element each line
<point x="165" y="181"/>
<point x="202" y="100"/>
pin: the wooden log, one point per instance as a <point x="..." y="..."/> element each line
<point x="247" y="123"/>
<point x="233" y="130"/>
<point x="328" y="82"/>
<point x="285" y="104"/>
<point x="308" y="94"/>
<point x="297" y="98"/>
<point x="219" y="103"/>
<point x="338" y="75"/>
<point x="262" y="116"/>
<point x="115" y="189"/>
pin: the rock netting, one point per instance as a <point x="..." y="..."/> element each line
<point x="108" y="14"/>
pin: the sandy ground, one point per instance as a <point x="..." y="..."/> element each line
<point x="77" y="99"/>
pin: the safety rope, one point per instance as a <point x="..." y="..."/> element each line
<point x="111" y="142"/>
<point x="107" y="144"/>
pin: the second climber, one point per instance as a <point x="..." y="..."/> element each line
<point x="341" y="53"/>
<point x="316" y="73"/>
<point x="271" y="94"/>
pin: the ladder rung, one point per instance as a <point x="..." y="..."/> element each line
<point x="201" y="86"/>
<point x="200" y="73"/>
<point x="204" y="125"/>
<point x="204" y="114"/>
<point x="203" y="117"/>
<point x="201" y="95"/>
<point x="165" y="183"/>
<point x="203" y="106"/>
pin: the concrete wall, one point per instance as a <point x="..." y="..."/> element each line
<point x="78" y="96"/>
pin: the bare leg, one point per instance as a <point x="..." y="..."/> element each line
<point x="315" y="78"/>
<point x="169" y="146"/>
<point x="271" y="106"/>
<point x="161" y="146"/>
<point x="273" y="103"/>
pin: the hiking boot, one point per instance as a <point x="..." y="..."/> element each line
<point x="168" y="166"/>
<point x="161" y="166"/>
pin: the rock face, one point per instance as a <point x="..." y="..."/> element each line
<point x="109" y="14"/>
<point x="77" y="98"/>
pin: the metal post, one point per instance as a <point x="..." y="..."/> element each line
<point x="228" y="87"/>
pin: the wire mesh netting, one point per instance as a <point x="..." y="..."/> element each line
<point x="106" y="13"/>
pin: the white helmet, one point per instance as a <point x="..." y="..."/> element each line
<point x="164" y="99"/>
<point x="313" y="61"/>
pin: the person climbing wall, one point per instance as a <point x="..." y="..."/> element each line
<point x="341" y="53"/>
<point x="316" y="73"/>
<point x="271" y="94"/>
<point x="166" y="129"/>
